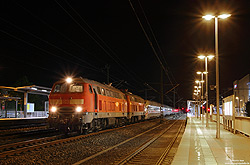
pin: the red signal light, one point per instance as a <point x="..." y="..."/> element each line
<point x="208" y="110"/>
<point x="203" y="107"/>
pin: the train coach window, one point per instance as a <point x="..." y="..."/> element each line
<point x="90" y="89"/>
<point x="103" y="92"/>
<point x="75" y="88"/>
<point x="111" y="94"/>
<point x="108" y="92"/>
<point x="98" y="90"/>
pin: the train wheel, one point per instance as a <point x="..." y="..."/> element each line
<point x="80" y="129"/>
<point x="116" y="123"/>
<point x="104" y="123"/>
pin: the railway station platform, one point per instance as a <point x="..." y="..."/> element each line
<point x="199" y="145"/>
<point x="8" y="123"/>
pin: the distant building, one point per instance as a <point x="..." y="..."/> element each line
<point x="241" y="90"/>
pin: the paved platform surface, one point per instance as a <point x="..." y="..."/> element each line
<point x="4" y="119"/>
<point x="200" y="146"/>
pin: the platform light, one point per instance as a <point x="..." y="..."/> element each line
<point x="69" y="80"/>
<point x="208" y="17"/>
<point x="223" y="16"/>
<point x="201" y="57"/>
<point x="210" y="57"/>
<point x="78" y="109"/>
<point x="53" y="109"/>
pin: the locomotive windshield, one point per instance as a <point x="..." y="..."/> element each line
<point x="71" y="88"/>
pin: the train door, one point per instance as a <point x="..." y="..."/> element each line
<point x="95" y="102"/>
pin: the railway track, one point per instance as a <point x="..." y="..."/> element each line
<point x="29" y="145"/>
<point x="155" y="150"/>
<point x="93" y="159"/>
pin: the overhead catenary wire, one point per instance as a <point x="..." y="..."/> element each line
<point x="58" y="32"/>
<point x="158" y="46"/>
<point x="147" y="37"/>
<point x="105" y="44"/>
<point x="35" y="46"/>
<point x="64" y="51"/>
<point x="150" y="42"/>
<point x="67" y="38"/>
<point x="41" y="48"/>
<point x="98" y="43"/>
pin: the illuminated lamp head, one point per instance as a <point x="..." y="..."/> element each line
<point x="69" y="80"/>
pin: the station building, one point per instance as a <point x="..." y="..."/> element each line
<point x="241" y="91"/>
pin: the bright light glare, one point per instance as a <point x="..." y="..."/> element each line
<point x="201" y="57"/>
<point x="210" y="57"/>
<point x="237" y="98"/>
<point x="199" y="86"/>
<point x="53" y="109"/>
<point x="223" y="16"/>
<point x="197" y="81"/>
<point x="195" y="87"/>
<point x="202" y="81"/>
<point x="208" y="17"/>
<point x="198" y="72"/>
<point x="69" y="80"/>
<point x="78" y="109"/>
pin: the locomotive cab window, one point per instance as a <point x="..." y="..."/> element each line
<point x="75" y="88"/>
<point x="60" y="88"/>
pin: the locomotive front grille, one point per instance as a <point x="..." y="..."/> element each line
<point x="66" y="110"/>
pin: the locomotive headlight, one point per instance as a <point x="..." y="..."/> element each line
<point x="78" y="109"/>
<point x="53" y="109"/>
<point x="69" y="80"/>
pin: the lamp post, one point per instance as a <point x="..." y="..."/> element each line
<point x="199" y="86"/>
<point x="209" y="17"/>
<point x="202" y="81"/>
<point x="196" y="93"/>
<point x="206" y="72"/>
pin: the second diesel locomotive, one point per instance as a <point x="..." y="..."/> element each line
<point x="85" y="105"/>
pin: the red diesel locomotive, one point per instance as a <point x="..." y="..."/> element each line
<point x="85" y="105"/>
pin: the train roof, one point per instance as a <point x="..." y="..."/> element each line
<point x="85" y="80"/>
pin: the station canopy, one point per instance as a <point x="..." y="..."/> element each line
<point x="32" y="89"/>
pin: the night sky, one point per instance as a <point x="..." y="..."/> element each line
<point x="48" y="40"/>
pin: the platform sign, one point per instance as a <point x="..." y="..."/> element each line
<point x="30" y="107"/>
<point x="228" y="105"/>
